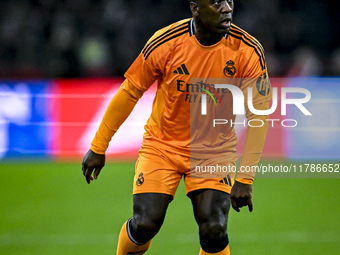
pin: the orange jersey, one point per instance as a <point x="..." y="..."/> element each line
<point x="173" y="57"/>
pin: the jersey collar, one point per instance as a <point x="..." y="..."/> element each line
<point x="192" y="29"/>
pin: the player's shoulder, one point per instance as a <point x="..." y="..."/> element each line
<point x="167" y="37"/>
<point x="247" y="43"/>
<point x="244" y="39"/>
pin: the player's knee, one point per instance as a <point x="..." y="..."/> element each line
<point x="145" y="225"/>
<point x="213" y="230"/>
<point x="145" y="228"/>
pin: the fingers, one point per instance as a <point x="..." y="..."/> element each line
<point x="97" y="172"/>
<point x="241" y="195"/>
<point x="234" y="205"/>
<point x="238" y="203"/>
<point x="250" y="204"/>
<point x="92" y="162"/>
<point x="88" y="174"/>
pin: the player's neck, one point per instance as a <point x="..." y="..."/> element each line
<point x="205" y="37"/>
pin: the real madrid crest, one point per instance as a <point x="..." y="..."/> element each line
<point x="140" y="179"/>
<point x="230" y="69"/>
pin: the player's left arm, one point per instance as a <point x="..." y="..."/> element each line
<point x="241" y="193"/>
<point x="256" y="78"/>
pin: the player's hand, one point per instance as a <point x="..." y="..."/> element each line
<point x="241" y="195"/>
<point x="92" y="162"/>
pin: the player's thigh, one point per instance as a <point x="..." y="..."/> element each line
<point x="155" y="172"/>
<point x="211" y="207"/>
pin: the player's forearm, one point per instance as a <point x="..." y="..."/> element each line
<point x="253" y="148"/>
<point x="118" y="110"/>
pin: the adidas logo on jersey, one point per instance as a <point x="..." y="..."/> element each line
<point x="226" y="180"/>
<point x="182" y="70"/>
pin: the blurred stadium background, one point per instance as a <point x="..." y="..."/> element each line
<point x="61" y="62"/>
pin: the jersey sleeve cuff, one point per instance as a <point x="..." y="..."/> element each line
<point x="97" y="150"/>
<point x="245" y="180"/>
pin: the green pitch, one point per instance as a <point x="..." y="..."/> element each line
<point x="47" y="208"/>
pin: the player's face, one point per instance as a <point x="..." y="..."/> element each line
<point x="216" y="15"/>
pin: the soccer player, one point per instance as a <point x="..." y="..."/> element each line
<point x="205" y="46"/>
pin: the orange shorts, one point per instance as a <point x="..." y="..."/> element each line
<point x="160" y="171"/>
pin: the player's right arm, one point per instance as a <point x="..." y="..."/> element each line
<point x="139" y="77"/>
<point x="116" y="113"/>
<point x="145" y="70"/>
<point x="118" y="110"/>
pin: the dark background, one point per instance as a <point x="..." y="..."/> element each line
<point x="101" y="38"/>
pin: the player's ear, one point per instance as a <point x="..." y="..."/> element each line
<point x="194" y="8"/>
